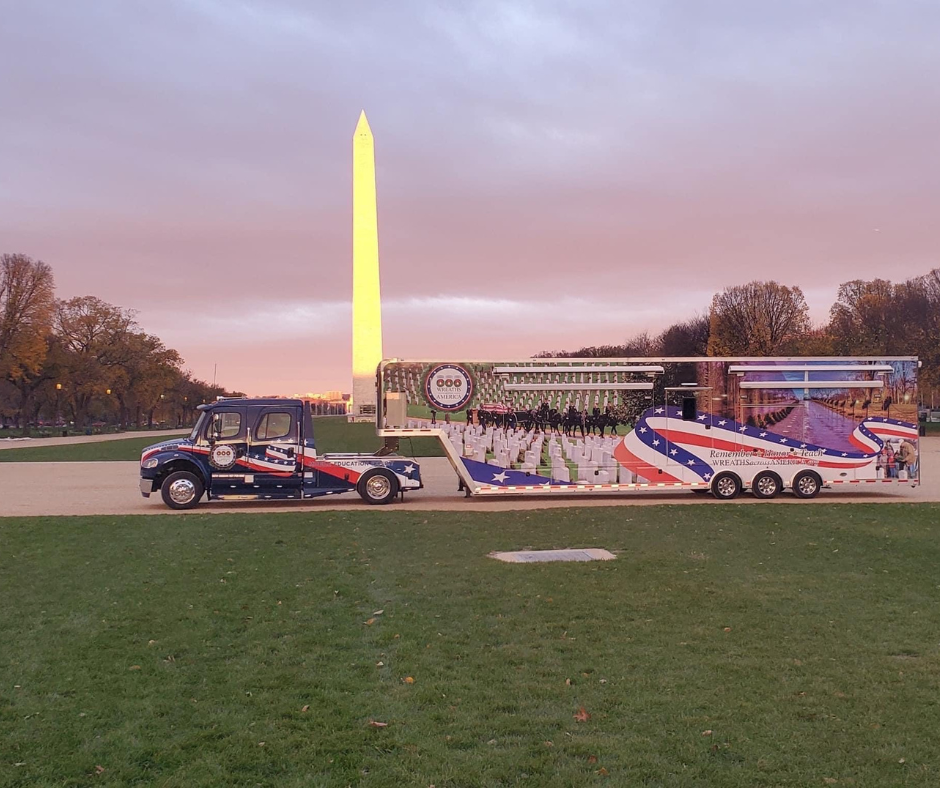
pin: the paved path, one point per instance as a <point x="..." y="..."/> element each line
<point x="6" y="443"/>
<point x="110" y="488"/>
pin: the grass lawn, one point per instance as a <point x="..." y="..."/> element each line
<point x="333" y="433"/>
<point x="726" y="646"/>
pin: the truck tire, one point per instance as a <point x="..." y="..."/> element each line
<point x="182" y="490"/>
<point x="806" y="484"/>
<point x="766" y="485"/>
<point x="378" y="486"/>
<point x="726" y="486"/>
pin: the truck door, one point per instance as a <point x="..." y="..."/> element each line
<point x="225" y="443"/>
<point x="273" y="452"/>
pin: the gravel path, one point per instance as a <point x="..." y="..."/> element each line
<point x="110" y="488"/>
<point x="16" y="443"/>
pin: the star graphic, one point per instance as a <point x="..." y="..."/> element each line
<point x="783" y="440"/>
<point x="409" y="469"/>
<point x="707" y="476"/>
<point x="722" y="423"/>
<point x="703" y="417"/>
<point x="658" y="410"/>
<point x="656" y="442"/>
<point x="673" y="452"/>
<point x="642" y="429"/>
<point x="802" y="445"/>
<point x="691" y="462"/>
<point x="822" y="451"/>
<point x="844" y="454"/>
<point x="500" y="477"/>
<point x="763" y="434"/>
<point x="742" y="429"/>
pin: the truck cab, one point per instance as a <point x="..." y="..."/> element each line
<point x="264" y="449"/>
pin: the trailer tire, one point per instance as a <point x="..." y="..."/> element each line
<point x="807" y="484"/>
<point x="377" y="487"/>
<point x="766" y="485"/>
<point x="726" y="486"/>
<point x="182" y="490"/>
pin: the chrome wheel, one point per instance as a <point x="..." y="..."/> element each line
<point x="182" y="491"/>
<point x="378" y="486"/>
<point x="807" y="486"/>
<point x="766" y="485"/>
<point x="726" y="487"/>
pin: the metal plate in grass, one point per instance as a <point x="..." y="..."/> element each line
<point x="541" y="556"/>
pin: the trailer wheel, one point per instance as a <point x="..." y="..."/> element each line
<point x="806" y="484"/>
<point x="766" y="485"/>
<point x="726" y="486"/>
<point x="181" y="490"/>
<point x="378" y="486"/>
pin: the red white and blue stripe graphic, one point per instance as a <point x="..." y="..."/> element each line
<point x="663" y="447"/>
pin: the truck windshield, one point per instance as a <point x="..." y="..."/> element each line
<point x="200" y="422"/>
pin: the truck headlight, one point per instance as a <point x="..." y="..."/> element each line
<point x="153" y="462"/>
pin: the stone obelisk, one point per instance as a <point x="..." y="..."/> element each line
<point x="367" y="300"/>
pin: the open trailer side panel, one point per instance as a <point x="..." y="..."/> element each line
<point x="591" y="425"/>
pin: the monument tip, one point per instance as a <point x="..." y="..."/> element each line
<point x="362" y="127"/>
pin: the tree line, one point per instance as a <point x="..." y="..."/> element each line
<point x="84" y="361"/>
<point x="869" y="318"/>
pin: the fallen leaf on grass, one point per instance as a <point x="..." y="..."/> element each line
<point x="706" y="733"/>
<point x="567" y="682"/>
<point x="378" y="612"/>
<point x="134" y="667"/>
<point x="603" y="772"/>
<point x="99" y="770"/>
<point x="582" y="715"/>
<point x="727" y="629"/>
<point x="261" y="744"/>
<point x="409" y="680"/>
<point x="370" y="622"/>
<point x="151" y="642"/>
<point x="592" y="759"/>
<point x="380" y="664"/>
<point x="830" y="780"/>
<point x="549" y="743"/>
<point x="305" y="708"/>
<point x="377" y="724"/>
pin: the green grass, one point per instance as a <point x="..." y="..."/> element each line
<point x="333" y="433"/>
<point x="181" y="651"/>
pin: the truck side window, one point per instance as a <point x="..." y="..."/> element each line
<point x="225" y="425"/>
<point x="273" y="426"/>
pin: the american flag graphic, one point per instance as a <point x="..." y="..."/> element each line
<point x="664" y="447"/>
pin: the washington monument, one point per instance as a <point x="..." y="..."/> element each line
<point x="367" y="301"/>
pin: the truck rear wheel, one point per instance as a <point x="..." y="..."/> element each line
<point x="378" y="486"/>
<point x="181" y="490"/>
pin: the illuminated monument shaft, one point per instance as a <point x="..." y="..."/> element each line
<point x="367" y="303"/>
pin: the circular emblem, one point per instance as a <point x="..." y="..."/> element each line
<point x="448" y="387"/>
<point x="222" y="456"/>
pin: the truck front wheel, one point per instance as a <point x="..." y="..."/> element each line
<point x="378" y="487"/>
<point x="181" y="490"/>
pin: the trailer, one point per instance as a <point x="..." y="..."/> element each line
<point x="724" y="426"/>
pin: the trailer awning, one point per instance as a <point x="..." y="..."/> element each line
<point x="739" y="368"/>
<point x="577" y="386"/>
<point x="571" y="368"/>
<point x="812" y="384"/>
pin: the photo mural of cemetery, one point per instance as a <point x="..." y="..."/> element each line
<point x="652" y="421"/>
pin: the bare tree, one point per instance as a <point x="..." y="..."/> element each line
<point x="757" y="319"/>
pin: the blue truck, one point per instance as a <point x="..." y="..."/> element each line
<point x="263" y="449"/>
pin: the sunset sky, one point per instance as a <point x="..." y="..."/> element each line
<point x="550" y="174"/>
